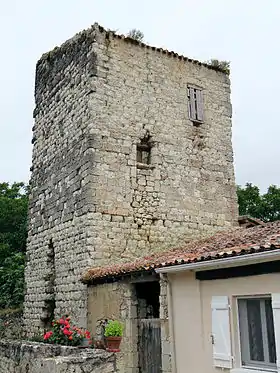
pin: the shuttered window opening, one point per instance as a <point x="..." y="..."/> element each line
<point x="195" y="104"/>
<point x="259" y="331"/>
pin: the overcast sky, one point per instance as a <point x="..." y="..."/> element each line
<point x="245" y="32"/>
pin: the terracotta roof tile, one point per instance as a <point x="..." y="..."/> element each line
<point x="237" y="241"/>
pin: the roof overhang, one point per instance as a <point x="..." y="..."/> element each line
<point x="236" y="261"/>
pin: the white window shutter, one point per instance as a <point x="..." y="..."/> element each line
<point x="221" y="340"/>
<point x="276" y="320"/>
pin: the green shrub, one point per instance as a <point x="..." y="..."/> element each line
<point x="113" y="329"/>
<point x="13" y="234"/>
<point x="11" y="280"/>
<point x="221" y="65"/>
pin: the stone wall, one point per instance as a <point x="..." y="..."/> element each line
<point x="188" y="189"/>
<point x="27" y="357"/>
<point x="59" y="247"/>
<point x="97" y="97"/>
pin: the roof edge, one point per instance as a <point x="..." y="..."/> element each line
<point x="232" y="261"/>
<point x="112" y="34"/>
<point x="156" y="49"/>
<point x="218" y="257"/>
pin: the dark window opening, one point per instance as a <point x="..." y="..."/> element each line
<point x="144" y="151"/>
<point x="49" y="303"/>
<point x="148" y="299"/>
<point x="143" y="154"/>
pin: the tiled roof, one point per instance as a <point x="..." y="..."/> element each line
<point x="163" y="51"/>
<point x="236" y="242"/>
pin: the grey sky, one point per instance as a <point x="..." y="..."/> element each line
<point x="245" y="32"/>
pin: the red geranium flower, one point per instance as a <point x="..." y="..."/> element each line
<point x="48" y="335"/>
<point x="67" y="332"/>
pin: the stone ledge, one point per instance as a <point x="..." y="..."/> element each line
<point x="32" y="357"/>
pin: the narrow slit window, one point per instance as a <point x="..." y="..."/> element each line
<point x="195" y="104"/>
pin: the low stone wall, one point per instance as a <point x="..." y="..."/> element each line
<point x="29" y="357"/>
<point x="11" y="324"/>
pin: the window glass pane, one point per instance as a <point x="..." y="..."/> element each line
<point x="255" y="330"/>
<point x="243" y="330"/>
<point x="270" y="331"/>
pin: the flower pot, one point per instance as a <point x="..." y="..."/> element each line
<point x="85" y="343"/>
<point x="113" y="344"/>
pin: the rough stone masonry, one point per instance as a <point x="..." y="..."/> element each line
<point x="30" y="357"/>
<point x="119" y="170"/>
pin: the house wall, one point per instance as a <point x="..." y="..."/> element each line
<point x="119" y="301"/>
<point x="116" y="301"/>
<point x="191" y="316"/>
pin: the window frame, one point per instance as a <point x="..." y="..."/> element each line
<point x="252" y="364"/>
<point x="193" y="107"/>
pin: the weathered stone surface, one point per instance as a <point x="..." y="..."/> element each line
<point x="11" y="324"/>
<point x="96" y="98"/>
<point x="27" y="357"/>
<point x="115" y="301"/>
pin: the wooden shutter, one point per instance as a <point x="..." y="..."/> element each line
<point x="276" y="320"/>
<point x="221" y="340"/>
<point x="199" y="105"/>
<point x="192" y="110"/>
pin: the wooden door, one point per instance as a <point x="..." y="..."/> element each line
<point x="149" y="346"/>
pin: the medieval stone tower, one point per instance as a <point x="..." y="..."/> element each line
<point x="132" y="154"/>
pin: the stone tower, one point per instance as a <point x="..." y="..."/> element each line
<point x="132" y="154"/>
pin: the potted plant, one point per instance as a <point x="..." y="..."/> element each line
<point x="113" y="335"/>
<point x="63" y="333"/>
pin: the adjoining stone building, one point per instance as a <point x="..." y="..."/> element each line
<point x="132" y="154"/>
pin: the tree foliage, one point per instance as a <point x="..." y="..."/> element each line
<point x="13" y="234"/>
<point x="261" y="206"/>
<point x="136" y="35"/>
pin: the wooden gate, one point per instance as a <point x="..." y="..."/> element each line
<point x="149" y="346"/>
